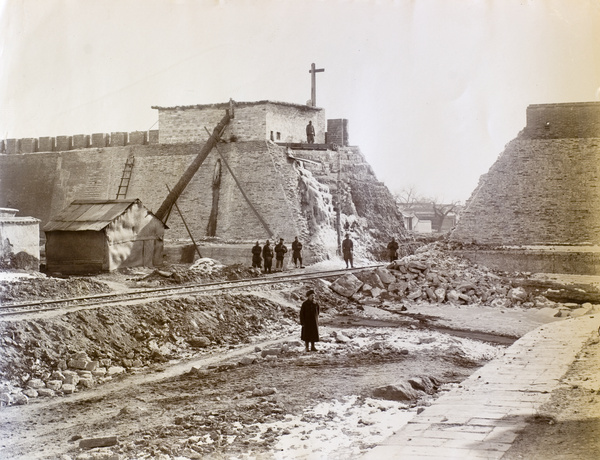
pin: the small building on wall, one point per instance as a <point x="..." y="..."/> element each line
<point x="92" y="236"/>
<point x="253" y="121"/>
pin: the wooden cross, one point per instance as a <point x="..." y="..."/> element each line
<point x="313" y="86"/>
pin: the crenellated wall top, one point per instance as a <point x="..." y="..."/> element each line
<point x="77" y="142"/>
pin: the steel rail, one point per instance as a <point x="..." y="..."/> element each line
<point x="167" y="291"/>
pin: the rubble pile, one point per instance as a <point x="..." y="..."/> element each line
<point x="90" y="347"/>
<point x="42" y="287"/>
<point x="201" y="270"/>
<point x="431" y="275"/>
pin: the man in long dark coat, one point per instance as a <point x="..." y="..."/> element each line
<point x="393" y="249"/>
<point x="256" y="252"/>
<point x="297" y="253"/>
<point x="280" y="251"/>
<point x="267" y="254"/>
<point x="310" y="133"/>
<point x="348" y="251"/>
<point x="309" y="320"/>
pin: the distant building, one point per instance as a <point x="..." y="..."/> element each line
<point x="20" y="235"/>
<point x="428" y="217"/>
<point x="92" y="236"/>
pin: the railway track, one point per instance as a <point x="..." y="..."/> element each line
<point x="152" y="294"/>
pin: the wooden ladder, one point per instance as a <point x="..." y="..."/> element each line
<point x="124" y="185"/>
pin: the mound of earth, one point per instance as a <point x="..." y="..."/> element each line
<point x="132" y="336"/>
<point x="50" y="288"/>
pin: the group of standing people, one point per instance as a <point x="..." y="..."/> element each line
<point x="265" y="254"/>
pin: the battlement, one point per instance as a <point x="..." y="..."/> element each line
<point x="77" y="142"/>
<point x="563" y="121"/>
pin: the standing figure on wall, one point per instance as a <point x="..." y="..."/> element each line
<point x="310" y="133"/>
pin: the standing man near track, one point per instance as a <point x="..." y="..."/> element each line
<point x="309" y="320"/>
<point x="297" y="253"/>
<point x="280" y="250"/>
<point x="348" y="251"/>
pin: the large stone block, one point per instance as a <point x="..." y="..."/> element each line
<point x="347" y="285"/>
<point x="371" y="278"/>
<point x="385" y="275"/>
<point x="402" y="391"/>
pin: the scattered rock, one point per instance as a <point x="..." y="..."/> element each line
<point x="36" y="383"/>
<point x="347" y="285"/>
<point x="98" y="442"/>
<point x="30" y="393"/>
<point x="401" y="391"/>
<point x="115" y="370"/>
<point x="264" y="391"/>
<point x="68" y="388"/>
<point x="19" y="399"/>
<point x="424" y="384"/>
<point x="199" y="342"/>
<point x="270" y="352"/>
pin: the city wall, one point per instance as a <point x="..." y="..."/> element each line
<point x="77" y="142"/>
<point x="41" y="184"/>
<point x="544" y="187"/>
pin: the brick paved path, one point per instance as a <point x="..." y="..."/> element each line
<point x="481" y="418"/>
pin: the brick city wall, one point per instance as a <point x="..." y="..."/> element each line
<point x="40" y="185"/>
<point x="539" y="191"/>
<point x="77" y="142"/>
<point x="562" y="121"/>
<point x="251" y="122"/>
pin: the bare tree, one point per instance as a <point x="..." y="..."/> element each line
<point x="409" y="195"/>
<point x="410" y="198"/>
<point x="440" y="212"/>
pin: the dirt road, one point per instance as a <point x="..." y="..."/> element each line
<point x="288" y="404"/>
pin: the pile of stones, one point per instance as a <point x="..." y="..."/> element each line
<point x="431" y="275"/>
<point x="81" y="372"/>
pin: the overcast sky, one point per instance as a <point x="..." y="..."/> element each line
<point x="433" y="89"/>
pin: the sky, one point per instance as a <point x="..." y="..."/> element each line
<point x="433" y="89"/>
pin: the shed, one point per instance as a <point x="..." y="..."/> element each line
<point x="92" y="236"/>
